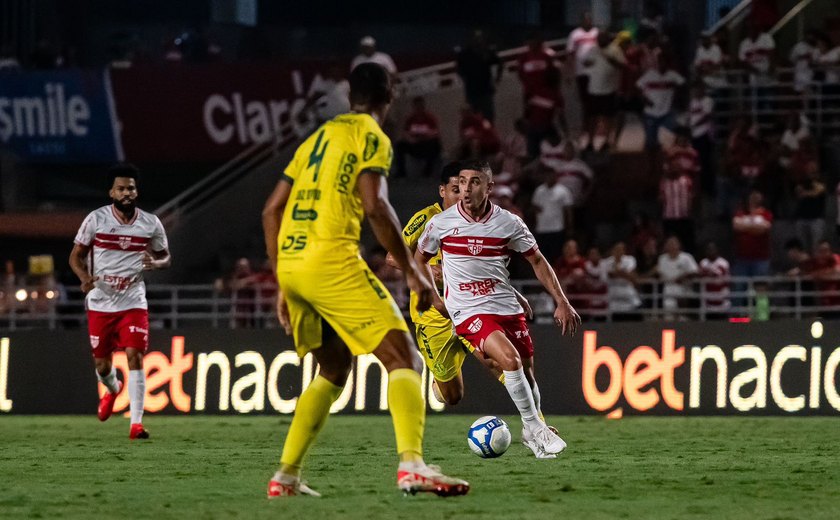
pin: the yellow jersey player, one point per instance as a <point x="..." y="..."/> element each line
<point x="329" y="300"/>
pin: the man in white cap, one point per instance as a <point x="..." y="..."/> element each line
<point x="369" y="54"/>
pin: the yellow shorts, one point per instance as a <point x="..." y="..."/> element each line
<point x="443" y="351"/>
<point x="351" y="300"/>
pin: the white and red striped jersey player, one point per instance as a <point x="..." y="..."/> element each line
<point x="475" y="255"/>
<point x="117" y="251"/>
<point x="716" y="273"/>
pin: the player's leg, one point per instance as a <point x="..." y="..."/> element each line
<point x="136" y="392"/>
<point x="313" y="408"/>
<point x="100" y="330"/>
<point x="408" y="411"/>
<point x="133" y="333"/>
<point x="444" y="354"/>
<point x="528" y="368"/>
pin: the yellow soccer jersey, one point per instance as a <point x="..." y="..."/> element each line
<point x="411" y="235"/>
<point x="323" y="216"/>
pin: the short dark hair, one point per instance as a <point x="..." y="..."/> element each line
<point x="477" y="166"/>
<point x="451" y="169"/>
<point x="123" y="170"/>
<point x="370" y="84"/>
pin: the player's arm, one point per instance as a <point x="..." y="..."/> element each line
<point x="157" y="260"/>
<point x="422" y="259"/>
<point x="79" y="265"/>
<point x="272" y="216"/>
<point x="565" y="315"/>
<point x="373" y="190"/>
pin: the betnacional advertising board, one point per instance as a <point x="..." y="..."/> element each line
<point x="714" y="368"/>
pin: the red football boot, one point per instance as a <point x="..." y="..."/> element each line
<point x="106" y="403"/>
<point x="138" y="432"/>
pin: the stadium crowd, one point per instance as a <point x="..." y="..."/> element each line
<point x="722" y="191"/>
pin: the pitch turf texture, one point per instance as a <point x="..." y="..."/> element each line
<point x="218" y="467"/>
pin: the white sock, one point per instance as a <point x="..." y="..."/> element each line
<point x="535" y="391"/>
<point x="136" y="394"/>
<point x="520" y="391"/>
<point x="289" y="480"/>
<point x="110" y="381"/>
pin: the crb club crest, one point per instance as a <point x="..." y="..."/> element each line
<point x="475" y="245"/>
<point x="475" y="325"/>
<point x="125" y="242"/>
<point x="94" y="341"/>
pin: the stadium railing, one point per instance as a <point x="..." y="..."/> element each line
<point x="766" y="104"/>
<point x="173" y="306"/>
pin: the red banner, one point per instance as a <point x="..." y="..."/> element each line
<point x="207" y="112"/>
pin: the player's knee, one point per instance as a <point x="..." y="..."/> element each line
<point x="134" y="359"/>
<point x="337" y="369"/>
<point x="509" y="362"/>
<point x="103" y="366"/>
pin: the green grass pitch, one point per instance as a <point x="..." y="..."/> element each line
<point x="218" y="467"/>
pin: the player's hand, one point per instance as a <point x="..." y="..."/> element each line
<point x="89" y="283"/>
<point x="283" y="314"/>
<point x="566" y="318"/>
<point x="422" y="288"/>
<point x="441" y="307"/>
<point x="437" y="274"/>
<point x="149" y="262"/>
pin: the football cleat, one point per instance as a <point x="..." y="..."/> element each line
<point x="429" y="479"/>
<point x="138" y="432"/>
<point x="279" y="489"/>
<point x="530" y="442"/>
<point x="549" y="441"/>
<point x="106" y="403"/>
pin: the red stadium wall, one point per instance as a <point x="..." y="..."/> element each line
<point x="780" y="368"/>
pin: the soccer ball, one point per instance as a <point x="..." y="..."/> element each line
<point x="489" y="437"/>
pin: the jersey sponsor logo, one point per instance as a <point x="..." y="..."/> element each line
<point x="522" y="334"/>
<point x="303" y="214"/>
<point x="293" y="242"/>
<point x="475" y="325"/>
<point x="134" y="329"/>
<point x="345" y="172"/>
<point x="118" y="283"/>
<point x="371" y="146"/>
<point x="475" y="245"/>
<point x="415" y="224"/>
<point x="479" y="288"/>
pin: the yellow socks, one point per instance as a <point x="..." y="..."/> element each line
<point x="313" y="408"/>
<point x="405" y="399"/>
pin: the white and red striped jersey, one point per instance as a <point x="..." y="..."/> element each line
<point x="117" y="257"/>
<point x="475" y="255"/>
<point x="677" y="197"/>
<point x="717" y="286"/>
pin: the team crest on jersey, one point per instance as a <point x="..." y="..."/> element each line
<point x="475" y="325"/>
<point x="475" y="245"/>
<point x="94" y="341"/>
<point x="125" y="242"/>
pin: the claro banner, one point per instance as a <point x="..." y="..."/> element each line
<point x="208" y="112"/>
<point x="63" y="115"/>
<point x="780" y="368"/>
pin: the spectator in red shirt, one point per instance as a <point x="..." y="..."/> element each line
<point x="535" y="65"/>
<point x="826" y="273"/>
<point x="542" y="108"/>
<point x="571" y="271"/>
<point x="752" y="227"/>
<point x="479" y="139"/>
<point x="420" y="140"/>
